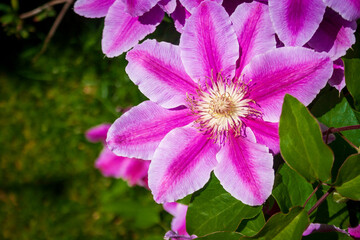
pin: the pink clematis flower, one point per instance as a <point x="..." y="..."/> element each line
<point x="126" y="22"/>
<point x="296" y="22"/>
<point x="178" y="224"/>
<point x="215" y="103"/>
<point x="134" y="171"/>
<point x="185" y="8"/>
<point x="317" y="26"/>
<point x="354" y="232"/>
<point x="320" y="227"/>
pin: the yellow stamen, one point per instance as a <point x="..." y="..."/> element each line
<point x="221" y="107"/>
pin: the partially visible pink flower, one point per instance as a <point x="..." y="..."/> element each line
<point x="296" y="22"/>
<point x="133" y="170"/>
<point x="311" y="23"/>
<point x="178" y="224"/>
<point x="215" y="103"/>
<point x="354" y="232"/>
<point x="320" y="227"/>
<point x="126" y="21"/>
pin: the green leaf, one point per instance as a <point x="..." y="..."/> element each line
<point x="342" y="150"/>
<point x="290" y="189"/>
<point x="348" y="180"/>
<point x="352" y="78"/>
<point x="186" y="200"/>
<point x="221" y="236"/>
<point x="340" y="116"/>
<point x="250" y="227"/>
<point x="301" y="142"/>
<point x="327" y="236"/>
<point x="284" y="226"/>
<point x="214" y="209"/>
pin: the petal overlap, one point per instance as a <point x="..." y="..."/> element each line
<point x="278" y="72"/>
<point x="334" y="36"/>
<point x="158" y="71"/>
<point x="266" y="133"/>
<point x="123" y="31"/>
<point x="209" y="44"/>
<point x="138" y="7"/>
<point x="181" y="164"/>
<point x="138" y="132"/>
<point x="348" y="9"/>
<point x="190" y="5"/>
<point x="254" y="31"/>
<point x="296" y="21"/>
<point x="92" y="8"/>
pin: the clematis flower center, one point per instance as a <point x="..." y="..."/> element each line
<point x="221" y="107"/>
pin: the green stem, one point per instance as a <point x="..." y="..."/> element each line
<point x="310" y="196"/>
<point x="317" y="204"/>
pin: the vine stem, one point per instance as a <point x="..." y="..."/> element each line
<point x="54" y="27"/>
<point x="41" y="8"/>
<point x="334" y="130"/>
<point x="317" y="204"/>
<point x="312" y="194"/>
<point x="338" y="131"/>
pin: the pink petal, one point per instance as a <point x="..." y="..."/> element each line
<point x="168" y="5"/>
<point x="138" y="132"/>
<point x="191" y="4"/>
<point x="122" y="31"/>
<point x="109" y="164"/>
<point x="178" y="210"/>
<point x="266" y="133"/>
<point x="170" y="207"/>
<point x="334" y="36"/>
<point x="298" y="71"/>
<point x="134" y="170"/>
<point x="337" y="80"/>
<point x="138" y="7"/>
<point x="209" y="44"/>
<point x="158" y="71"/>
<point x="231" y="5"/>
<point x="321" y="227"/>
<point x="130" y="169"/>
<point x="348" y="9"/>
<point x="98" y="133"/>
<point x="296" y="21"/>
<point x="355" y="232"/>
<point x="178" y="223"/>
<point x="179" y="16"/>
<point x="92" y="8"/>
<point x="254" y="31"/>
<point x="181" y="164"/>
<point x="245" y="170"/>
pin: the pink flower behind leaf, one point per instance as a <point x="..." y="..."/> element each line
<point x="320" y="227"/>
<point x="296" y="22"/>
<point x="354" y="232"/>
<point x="132" y="170"/>
<point x="215" y="103"/>
<point x="126" y="22"/>
<point x="178" y="224"/>
<point x="313" y="24"/>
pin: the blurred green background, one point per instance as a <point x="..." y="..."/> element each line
<point x="49" y="188"/>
